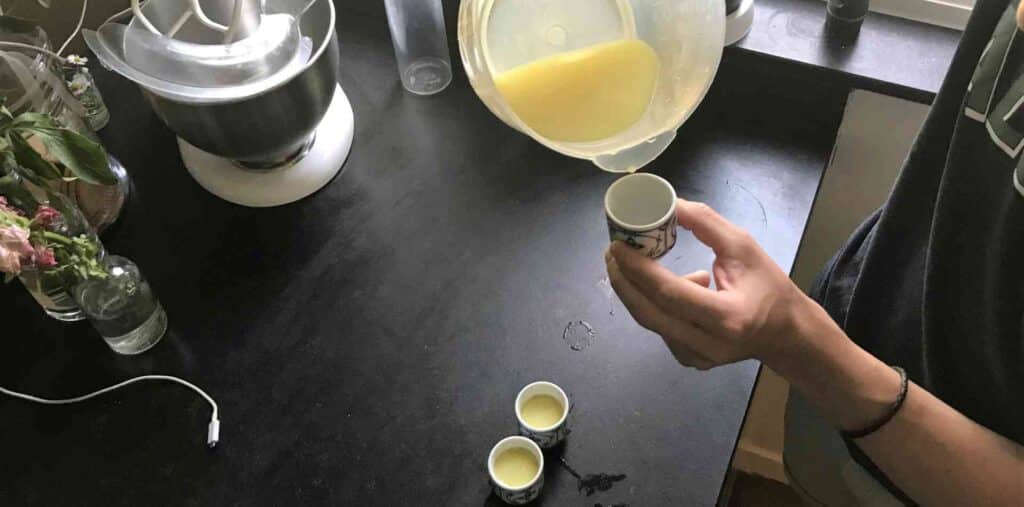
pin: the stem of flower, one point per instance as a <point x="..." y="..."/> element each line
<point x="57" y="238"/>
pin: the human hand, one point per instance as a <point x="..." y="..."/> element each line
<point x="750" y="314"/>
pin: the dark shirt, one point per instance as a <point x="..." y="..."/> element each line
<point x="934" y="280"/>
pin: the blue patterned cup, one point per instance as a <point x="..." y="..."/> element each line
<point x="641" y="212"/>
<point x="551" y="434"/>
<point x="516" y="495"/>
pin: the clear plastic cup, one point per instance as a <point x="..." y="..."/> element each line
<point x="421" y="44"/>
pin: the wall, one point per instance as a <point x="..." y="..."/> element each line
<point x="873" y="140"/>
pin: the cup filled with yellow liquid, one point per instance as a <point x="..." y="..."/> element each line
<point x="516" y="467"/>
<point x="542" y="409"/>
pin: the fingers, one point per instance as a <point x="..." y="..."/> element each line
<point x="686" y="356"/>
<point x="702" y="278"/>
<point x="708" y="226"/>
<point x="699" y="277"/>
<point x="688" y="298"/>
<point x="647" y="314"/>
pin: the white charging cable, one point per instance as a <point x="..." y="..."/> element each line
<point x="78" y="28"/>
<point x="213" y="431"/>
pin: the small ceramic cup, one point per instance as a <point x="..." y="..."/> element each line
<point x="548" y="436"/>
<point x="641" y="212"/>
<point x="522" y="494"/>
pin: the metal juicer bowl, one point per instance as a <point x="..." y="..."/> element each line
<point x="270" y="127"/>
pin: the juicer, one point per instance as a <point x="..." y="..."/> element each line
<point x="251" y="130"/>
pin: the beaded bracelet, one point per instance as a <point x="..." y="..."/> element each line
<point x="889" y="414"/>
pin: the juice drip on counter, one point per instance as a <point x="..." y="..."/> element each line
<point x="516" y="467"/>
<point x="541" y="411"/>
<point x="583" y="95"/>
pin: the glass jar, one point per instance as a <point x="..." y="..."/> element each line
<point x="46" y="92"/>
<point x="49" y="290"/>
<point x="83" y="87"/>
<point x="36" y="85"/>
<point x="121" y="306"/>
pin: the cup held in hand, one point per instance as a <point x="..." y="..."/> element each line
<point x="641" y="212"/>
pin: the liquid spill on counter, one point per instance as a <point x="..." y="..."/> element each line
<point x="579" y="334"/>
<point x="592" y="483"/>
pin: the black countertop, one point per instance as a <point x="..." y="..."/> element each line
<point x="366" y="344"/>
<point x="890" y="55"/>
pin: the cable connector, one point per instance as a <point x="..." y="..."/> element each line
<point x="213" y="434"/>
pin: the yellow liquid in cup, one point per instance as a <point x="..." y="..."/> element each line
<point x="541" y="411"/>
<point x="583" y="95"/>
<point x="516" y="467"/>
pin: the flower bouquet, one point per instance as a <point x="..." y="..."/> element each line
<point x="44" y="239"/>
<point x="50" y="251"/>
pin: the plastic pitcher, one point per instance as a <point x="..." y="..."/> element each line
<point x="640" y="68"/>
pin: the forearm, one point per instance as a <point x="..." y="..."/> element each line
<point x="935" y="454"/>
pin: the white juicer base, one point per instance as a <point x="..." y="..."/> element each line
<point x="738" y="24"/>
<point x="289" y="183"/>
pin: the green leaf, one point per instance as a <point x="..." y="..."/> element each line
<point x="5" y="118"/>
<point x="83" y="157"/>
<point x="30" y="160"/>
<point x="12" y="165"/>
<point x="8" y="162"/>
<point x="18" y="195"/>
<point x="35" y="120"/>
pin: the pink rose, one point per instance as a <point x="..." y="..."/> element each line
<point x="46" y="216"/>
<point x="14" y="246"/>
<point x="44" y="258"/>
<point x="9" y="261"/>
<point x="4" y="207"/>
<point x="15" y="239"/>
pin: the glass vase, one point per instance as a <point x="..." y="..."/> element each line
<point x="122" y="308"/>
<point x="47" y="289"/>
<point x="51" y="295"/>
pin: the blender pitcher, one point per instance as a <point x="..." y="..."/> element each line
<point x="604" y="80"/>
